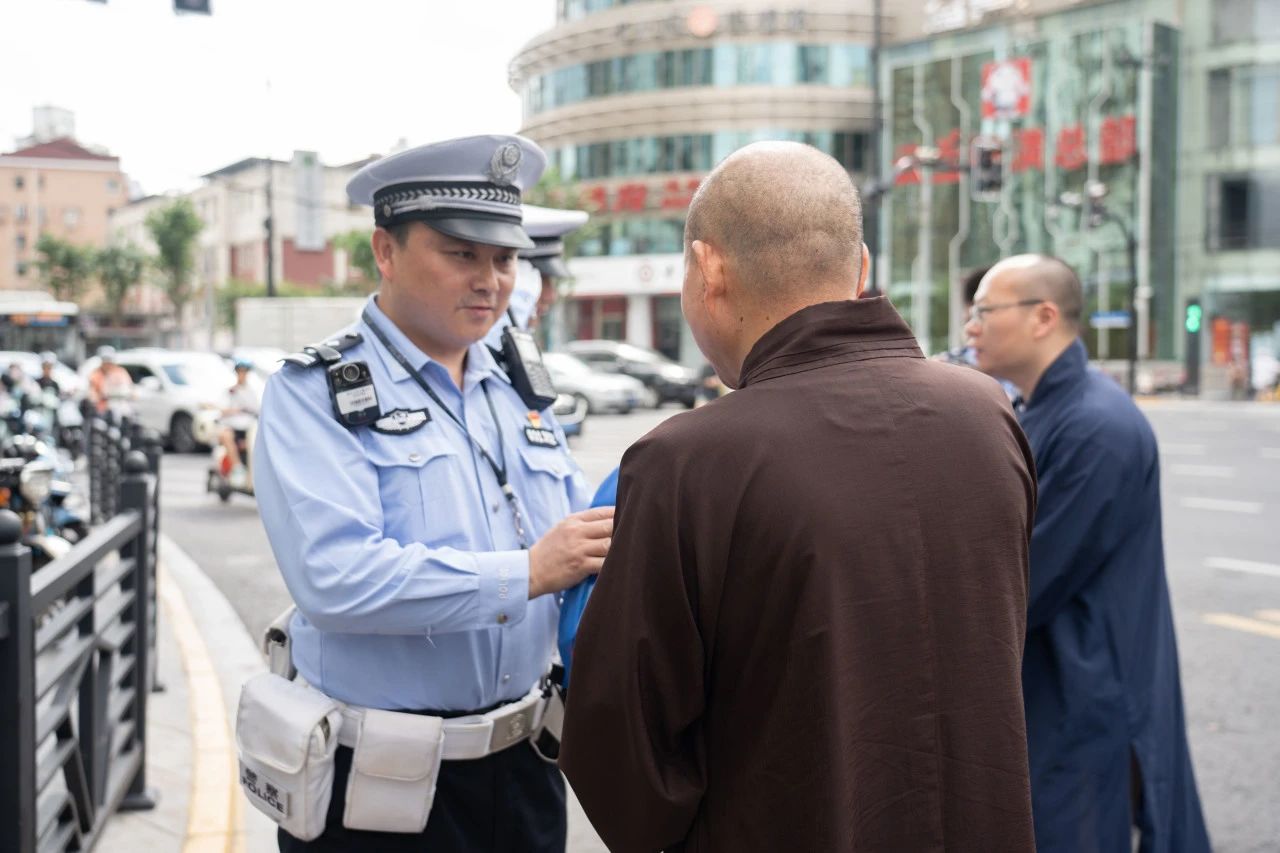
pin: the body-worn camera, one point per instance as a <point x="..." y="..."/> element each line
<point x="351" y="390"/>
<point x="529" y="376"/>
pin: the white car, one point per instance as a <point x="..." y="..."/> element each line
<point x="602" y="392"/>
<point x="172" y="389"/>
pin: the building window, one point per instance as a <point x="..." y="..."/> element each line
<point x="1244" y="212"/>
<point x="19" y="213"/>
<point x="71" y="217"/>
<point x="1244" y="106"/>
<point x="770" y="63"/>
<point x="649" y="155"/>
<point x="20" y="268"/>
<point x="1220" y="108"/>
<point x="1245" y="20"/>
<point x="19" y="182"/>
<point x="20" y="242"/>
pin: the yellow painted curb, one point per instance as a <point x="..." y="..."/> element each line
<point x="213" y="817"/>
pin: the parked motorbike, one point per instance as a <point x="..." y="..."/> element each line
<point x="26" y="488"/>
<point x="59" y="516"/>
<point x="223" y="479"/>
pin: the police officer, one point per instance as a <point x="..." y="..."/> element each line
<point x="548" y="228"/>
<point x="424" y="517"/>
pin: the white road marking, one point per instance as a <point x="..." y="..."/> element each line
<point x="1205" y="426"/>
<point x="1224" y="471"/>
<point x="1246" y="507"/>
<point x="1182" y="449"/>
<point x="1230" y="564"/>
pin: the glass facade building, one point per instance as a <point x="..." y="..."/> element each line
<point x="1173" y="106"/>
<point x="635" y="102"/>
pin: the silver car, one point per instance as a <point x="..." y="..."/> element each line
<point x="602" y="392"/>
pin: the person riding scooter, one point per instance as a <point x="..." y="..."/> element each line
<point x="238" y="418"/>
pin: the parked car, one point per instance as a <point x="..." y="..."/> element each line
<point x="571" y="412"/>
<point x="666" y="380"/>
<point x="172" y="388"/>
<point x="602" y="392"/>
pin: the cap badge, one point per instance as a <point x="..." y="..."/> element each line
<point x="503" y="165"/>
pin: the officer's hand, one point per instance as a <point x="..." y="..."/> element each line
<point x="572" y="550"/>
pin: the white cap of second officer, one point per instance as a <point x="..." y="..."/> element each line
<point x="548" y="226"/>
<point x="467" y="188"/>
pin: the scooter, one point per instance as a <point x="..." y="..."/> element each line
<point x="222" y="467"/>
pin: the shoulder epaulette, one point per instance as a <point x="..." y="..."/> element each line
<point x="325" y="352"/>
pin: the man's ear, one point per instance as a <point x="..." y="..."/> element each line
<point x="711" y="267"/>
<point x="865" y="273"/>
<point x="384" y="247"/>
<point x="1048" y="319"/>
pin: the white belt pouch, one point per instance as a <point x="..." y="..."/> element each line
<point x="395" y="762"/>
<point x="286" y="734"/>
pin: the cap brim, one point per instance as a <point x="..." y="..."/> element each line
<point x="490" y="232"/>
<point x="553" y="266"/>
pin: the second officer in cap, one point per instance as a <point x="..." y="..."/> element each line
<point x="425" y="517"/>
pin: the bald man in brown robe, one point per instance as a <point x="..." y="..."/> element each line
<point x="807" y="636"/>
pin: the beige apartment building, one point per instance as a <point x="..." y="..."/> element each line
<point x="56" y="187"/>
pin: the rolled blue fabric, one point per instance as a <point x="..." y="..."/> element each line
<point x="575" y="598"/>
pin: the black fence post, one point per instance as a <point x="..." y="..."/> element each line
<point x="94" y="439"/>
<point x="150" y="443"/>
<point x="17" y="687"/>
<point x="136" y="496"/>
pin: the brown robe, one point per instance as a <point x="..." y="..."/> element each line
<point x="808" y="633"/>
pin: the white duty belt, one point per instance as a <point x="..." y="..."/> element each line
<point x="465" y="738"/>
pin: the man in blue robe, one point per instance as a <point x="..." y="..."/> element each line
<point x="1105" y="724"/>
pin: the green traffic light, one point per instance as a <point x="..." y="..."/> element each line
<point x="1194" y="315"/>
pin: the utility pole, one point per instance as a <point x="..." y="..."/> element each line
<point x="871" y="222"/>
<point x="270" y="224"/>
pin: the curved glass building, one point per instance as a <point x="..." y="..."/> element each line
<point x="636" y="100"/>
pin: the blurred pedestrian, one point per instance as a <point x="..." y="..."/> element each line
<point x="968" y="287"/>
<point x="1103" y="697"/>
<point x="108" y="381"/>
<point x="765" y="664"/>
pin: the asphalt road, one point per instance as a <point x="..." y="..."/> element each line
<point x="1221" y="478"/>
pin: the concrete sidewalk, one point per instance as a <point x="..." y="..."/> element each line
<point x="204" y="655"/>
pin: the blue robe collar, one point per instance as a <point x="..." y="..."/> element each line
<point x="1068" y="370"/>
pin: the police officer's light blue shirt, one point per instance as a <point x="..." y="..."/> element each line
<point x="400" y="550"/>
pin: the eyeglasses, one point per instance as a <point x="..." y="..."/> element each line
<point x="978" y="313"/>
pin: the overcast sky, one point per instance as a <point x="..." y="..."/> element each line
<point x="178" y="96"/>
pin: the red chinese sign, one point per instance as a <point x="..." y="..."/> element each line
<point x="635" y="197"/>
<point x="1006" y="88"/>
<point x="1117" y="143"/>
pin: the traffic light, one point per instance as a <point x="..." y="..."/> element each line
<point x="986" y="169"/>
<point x="198" y="7"/>
<point x="1193" y="320"/>
<point x="1195" y="315"/>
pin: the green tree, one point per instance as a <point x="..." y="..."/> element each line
<point x="359" y="248"/>
<point x="120" y="268"/>
<point x="174" y="229"/>
<point x="64" y="267"/>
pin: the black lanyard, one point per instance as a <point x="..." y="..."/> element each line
<point x="499" y="471"/>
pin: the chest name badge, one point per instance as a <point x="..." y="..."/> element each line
<point x="538" y="435"/>
<point x="402" y="421"/>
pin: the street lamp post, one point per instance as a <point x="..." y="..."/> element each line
<point x="1093" y="203"/>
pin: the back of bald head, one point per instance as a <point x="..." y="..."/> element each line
<point x="787" y="218"/>
<point x="1048" y="278"/>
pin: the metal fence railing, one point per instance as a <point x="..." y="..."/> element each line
<point x="76" y="663"/>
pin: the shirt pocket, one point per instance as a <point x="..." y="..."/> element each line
<point x="545" y="472"/>
<point x="422" y="488"/>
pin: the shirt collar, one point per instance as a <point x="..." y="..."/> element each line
<point x="830" y="333"/>
<point x="480" y="361"/>
<point x="1067" y="369"/>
